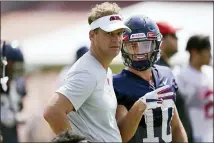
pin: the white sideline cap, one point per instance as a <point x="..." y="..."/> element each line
<point x="109" y="23"/>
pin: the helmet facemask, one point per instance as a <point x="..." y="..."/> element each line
<point x="141" y="54"/>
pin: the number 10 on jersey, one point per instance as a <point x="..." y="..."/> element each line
<point x="158" y="128"/>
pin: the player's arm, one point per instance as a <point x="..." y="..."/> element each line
<point x="70" y="97"/>
<point x="178" y="131"/>
<point x="128" y="121"/>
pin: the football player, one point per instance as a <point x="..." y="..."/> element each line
<point x="13" y="90"/>
<point x="3" y="63"/>
<point x="195" y="82"/>
<point x="146" y="92"/>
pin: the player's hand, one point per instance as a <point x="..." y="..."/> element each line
<point x="155" y="98"/>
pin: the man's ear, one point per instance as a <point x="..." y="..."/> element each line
<point x="91" y="34"/>
<point x="193" y="52"/>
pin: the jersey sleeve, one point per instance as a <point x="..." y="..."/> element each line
<point x="78" y="87"/>
<point x="120" y="98"/>
<point x="166" y="76"/>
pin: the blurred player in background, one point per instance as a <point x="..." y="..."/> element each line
<point x="12" y="96"/>
<point x="3" y="85"/>
<point x="86" y="102"/>
<point x="169" y="47"/>
<point x="195" y="82"/>
<point x="80" y="52"/>
<point x="146" y="92"/>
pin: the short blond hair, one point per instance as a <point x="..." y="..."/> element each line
<point x="101" y="10"/>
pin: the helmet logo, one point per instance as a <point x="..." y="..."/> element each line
<point x="125" y="38"/>
<point x="137" y="35"/>
<point x="151" y="34"/>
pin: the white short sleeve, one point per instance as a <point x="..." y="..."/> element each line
<point x="78" y="87"/>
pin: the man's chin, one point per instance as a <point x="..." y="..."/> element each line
<point x="114" y="53"/>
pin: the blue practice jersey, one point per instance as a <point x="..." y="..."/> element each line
<point x="155" y="123"/>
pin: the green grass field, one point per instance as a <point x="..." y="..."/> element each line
<point x="117" y="68"/>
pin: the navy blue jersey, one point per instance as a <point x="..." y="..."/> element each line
<point x="155" y="123"/>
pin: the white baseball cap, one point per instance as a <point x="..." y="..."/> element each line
<point x="109" y="23"/>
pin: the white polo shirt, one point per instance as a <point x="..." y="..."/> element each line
<point x="89" y="88"/>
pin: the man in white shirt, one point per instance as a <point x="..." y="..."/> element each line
<point x="195" y="82"/>
<point x="80" y="52"/>
<point x="87" y="102"/>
